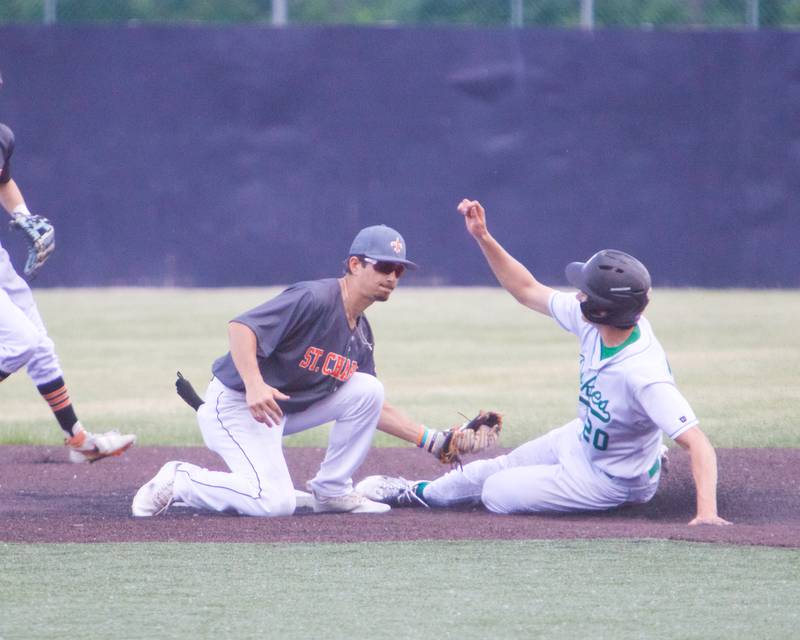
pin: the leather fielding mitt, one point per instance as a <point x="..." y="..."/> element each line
<point x="478" y="434"/>
<point x="41" y="240"/>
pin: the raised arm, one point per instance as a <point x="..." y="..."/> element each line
<point x="510" y="273"/>
<point x="703" y="460"/>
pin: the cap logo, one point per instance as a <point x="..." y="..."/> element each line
<point x="397" y="245"/>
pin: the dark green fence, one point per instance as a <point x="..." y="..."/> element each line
<point x="589" y="14"/>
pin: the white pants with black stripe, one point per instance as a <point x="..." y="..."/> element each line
<point x="258" y="483"/>
<point x="550" y="473"/>
<point x="23" y="338"/>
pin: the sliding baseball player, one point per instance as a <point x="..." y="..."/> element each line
<point x="610" y="454"/>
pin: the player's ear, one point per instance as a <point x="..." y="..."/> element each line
<point x="352" y="263"/>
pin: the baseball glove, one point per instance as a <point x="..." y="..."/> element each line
<point x="482" y="432"/>
<point x="41" y="240"/>
<point x="187" y="393"/>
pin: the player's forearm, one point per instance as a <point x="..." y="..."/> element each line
<point x="513" y="275"/>
<point x="395" y="423"/>
<point x="243" y="346"/>
<point x="11" y="197"/>
<point x="704" y="472"/>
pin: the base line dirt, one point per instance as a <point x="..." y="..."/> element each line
<point x="43" y="498"/>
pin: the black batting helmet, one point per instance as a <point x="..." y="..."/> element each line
<point x="616" y="285"/>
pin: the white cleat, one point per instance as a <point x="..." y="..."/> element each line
<point x="90" y="447"/>
<point x="351" y="503"/>
<point x="304" y="501"/>
<point x="397" y="492"/>
<point x="155" y="496"/>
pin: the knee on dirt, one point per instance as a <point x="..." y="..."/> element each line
<point x="495" y="498"/>
<point x="272" y="505"/>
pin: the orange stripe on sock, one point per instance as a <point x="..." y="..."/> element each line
<point x="58" y="399"/>
<point x="53" y="394"/>
<point x="62" y="405"/>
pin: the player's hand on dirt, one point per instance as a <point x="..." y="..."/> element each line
<point x="474" y="217"/>
<point x="262" y="400"/>
<point x="714" y="520"/>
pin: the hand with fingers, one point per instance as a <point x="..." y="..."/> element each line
<point x="262" y="400"/>
<point x="713" y="519"/>
<point x="474" y="217"/>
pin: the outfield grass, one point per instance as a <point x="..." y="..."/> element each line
<point x="735" y="355"/>
<point x="602" y="589"/>
<point x="439" y="351"/>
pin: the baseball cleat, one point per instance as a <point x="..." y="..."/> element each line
<point x="304" y="500"/>
<point x="155" y="496"/>
<point x="397" y="492"/>
<point x="90" y="447"/>
<point x="351" y="503"/>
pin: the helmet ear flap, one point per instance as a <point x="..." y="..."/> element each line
<point x="624" y="314"/>
<point x="593" y="311"/>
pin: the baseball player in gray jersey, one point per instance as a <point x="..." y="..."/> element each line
<point x="301" y="359"/>
<point x="611" y="453"/>
<point x="23" y="338"/>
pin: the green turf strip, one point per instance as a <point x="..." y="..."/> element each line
<point x="598" y="589"/>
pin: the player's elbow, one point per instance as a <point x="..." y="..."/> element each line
<point x="693" y="438"/>
<point x="534" y="296"/>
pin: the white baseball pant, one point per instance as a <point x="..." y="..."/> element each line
<point x="550" y="473"/>
<point x="23" y="337"/>
<point x="259" y="483"/>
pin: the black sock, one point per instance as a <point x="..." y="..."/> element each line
<point x="57" y="396"/>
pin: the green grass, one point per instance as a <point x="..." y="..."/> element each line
<point x="530" y="589"/>
<point x="439" y="351"/>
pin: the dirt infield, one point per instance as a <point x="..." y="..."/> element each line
<point x="45" y="499"/>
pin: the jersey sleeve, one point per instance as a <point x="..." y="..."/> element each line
<point x="667" y="408"/>
<point x="566" y="311"/>
<point x="272" y="321"/>
<point x="6" y="149"/>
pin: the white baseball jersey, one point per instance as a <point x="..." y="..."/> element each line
<point x="625" y="400"/>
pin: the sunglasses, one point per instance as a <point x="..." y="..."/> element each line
<point x="386" y="267"/>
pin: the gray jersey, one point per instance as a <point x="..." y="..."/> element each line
<point x="305" y="347"/>
<point x="6" y="149"/>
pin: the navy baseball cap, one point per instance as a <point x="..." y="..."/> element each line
<point x="382" y="243"/>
